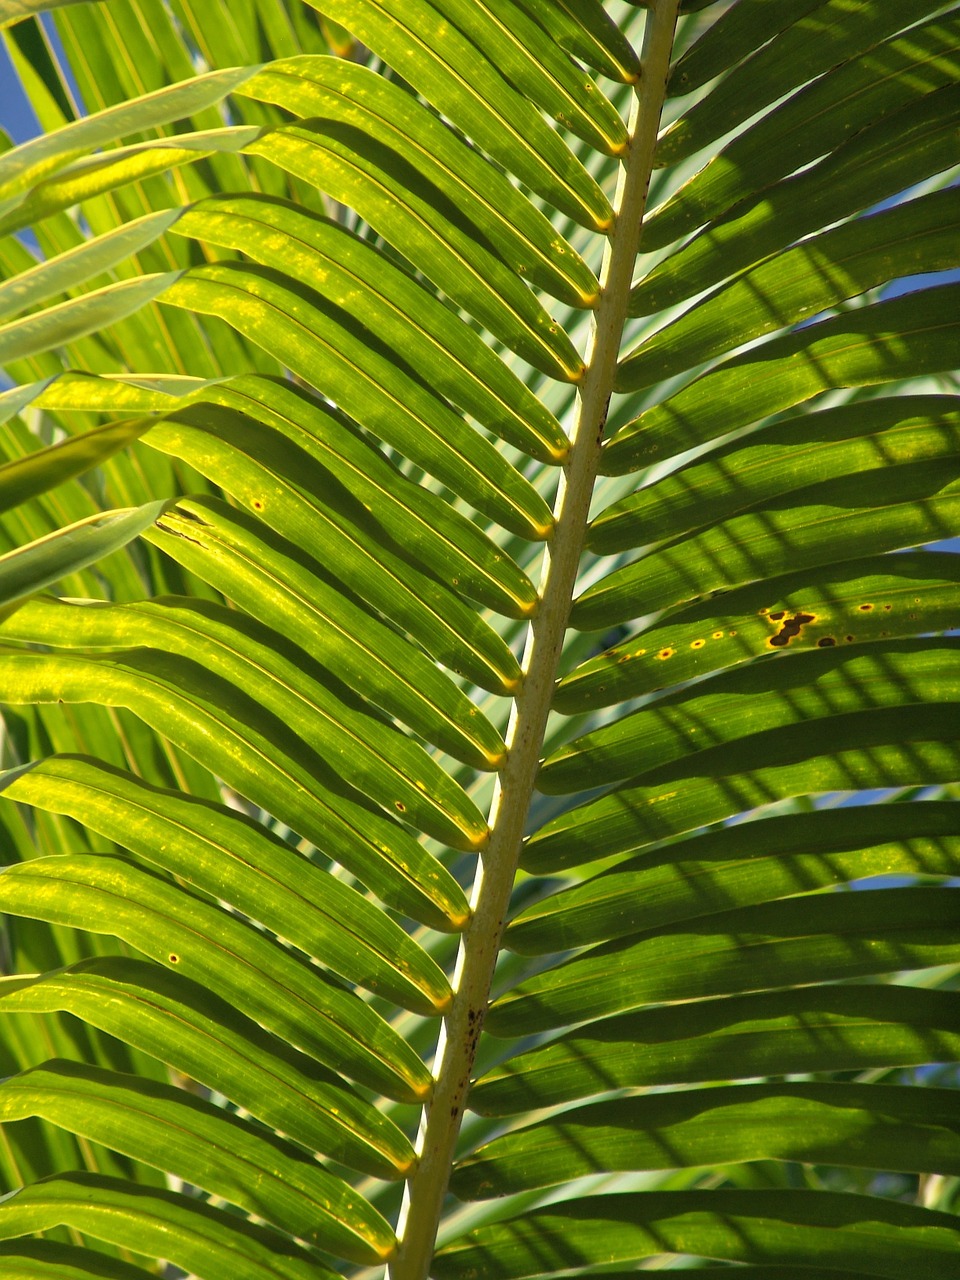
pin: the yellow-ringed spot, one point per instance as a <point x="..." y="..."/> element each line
<point x="173" y="958"/>
<point x="697" y="644"/>
<point x="664" y="654"/>
<point x="628" y="657"/>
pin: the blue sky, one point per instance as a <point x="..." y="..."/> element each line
<point x="16" y="115"/>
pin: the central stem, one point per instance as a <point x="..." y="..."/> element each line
<point x="480" y="945"/>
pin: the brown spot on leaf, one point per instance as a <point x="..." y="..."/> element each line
<point x="791" y="628"/>
<point x="778" y="616"/>
<point x="865" y="608"/>
<point x="825" y="642"/>
<point x="173" y="958"/>
<point x="697" y="644"/>
<point x="665" y="653"/>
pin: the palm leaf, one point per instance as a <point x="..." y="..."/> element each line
<point x="499" y="818"/>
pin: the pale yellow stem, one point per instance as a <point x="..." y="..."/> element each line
<point x="481" y="942"/>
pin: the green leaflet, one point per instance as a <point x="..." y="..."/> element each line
<point x="735" y="865"/>
<point x="96" y="175"/>
<point x="801" y="1227"/>
<point x="94" y="393"/>
<point x="238" y="861"/>
<point x="847" y="603"/>
<point x="820" y="117"/>
<point x="26" y="165"/>
<point x="205" y="1039"/>
<point x="183" y="1228"/>
<point x="42" y="563"/>
<point x="584" y="27"/>
<point x="885" y="158"/>
<point x="25" y="478"/>
<point x="906" y="747"/>
<point x="525" y="53"/>
<point x="69" y="321"/>
<point x="41" y="1260"/>
<point x="846" y="351"/>
<point x="251" y="750"/>
<point x="776" y="1272"/>
<point x="827" y="1028"/>
<point x="386" y="300"/>
<point x="813" y="43"/>
<point x="878" y="1127"/>
<point x="201" y="1143"/>
<point x="820" y="938"/>
<point x="812" y="694"/>
<point x="432" y="178"/>
<point x="269" y="577"/>
<point x="334" y="532"/>
<point x="378" y="184"/>
<point x="83" y="263"/>
<point x="322" y="344"/>
<point x="789" y="458"/>
<point x="315" y="454"/>
<point x="384" y="764"/>
<point x="14" y="10"/>
<point x="188" y="1231"/>
<point x="464" y="82"/>
<point x="736" y="34"/>
<point x="883" y="510"/>
<point x="808" y="279"/>
<point x="268" y="983"/>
